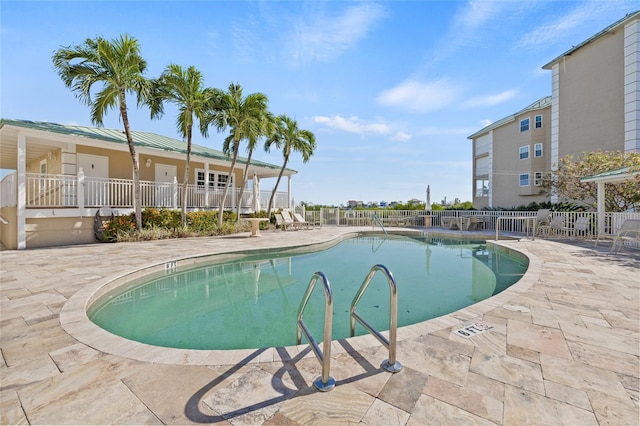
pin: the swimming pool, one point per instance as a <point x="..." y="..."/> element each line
<point x="252" y="302"/>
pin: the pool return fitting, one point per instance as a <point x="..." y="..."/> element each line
<point x="325" y="382"/>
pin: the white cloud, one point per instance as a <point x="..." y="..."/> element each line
<point x="489" y="100"/>
<point x="465" y="26"/>
<point x="325" y="37"/>
<point x="485" y="123"/>
<point x="420" y="96"/>
<point x="563" y="25"/>
<point x="443" y="131"/>
<point x="401" y="136"/>
<point x="352" y="125"/>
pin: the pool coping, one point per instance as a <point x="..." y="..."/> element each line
<point x="75" y="321"/>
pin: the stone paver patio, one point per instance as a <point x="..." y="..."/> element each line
<point x="564" y="350"/>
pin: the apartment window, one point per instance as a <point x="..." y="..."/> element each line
<point x="524" y="125"/>
<point x="524" y="152"/>
<point x="524" y="179"/>
<point x="537" y="150"/>
<point x="537" y="179"/>
<point x="482" y="187"/>
<point x="538" y="122"/>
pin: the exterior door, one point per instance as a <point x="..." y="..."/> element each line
<point x="96" y="179"/>
<point x="165" y="176"/>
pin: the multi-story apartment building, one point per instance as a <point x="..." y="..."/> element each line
<point x="595" y="105"/>
<point x="510" y="157"/>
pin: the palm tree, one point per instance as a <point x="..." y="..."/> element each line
<point x="117" y="66"/>
<point x="245" y="118"/>
<point x="289" y="138"/>
<point x="184" y="88"/>
<point x="266" y="131"/>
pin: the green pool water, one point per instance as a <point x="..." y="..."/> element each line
<point x="253" y="302"/>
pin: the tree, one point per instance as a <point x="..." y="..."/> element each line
<point x="289" y="138"/>
<point x="565" y="180"/>
<point x="118" y="67"/>
<point x="245" y="118"/>
<point x="185" y="88"/>
<point x="266" y="130"/>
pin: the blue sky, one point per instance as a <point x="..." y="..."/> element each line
<point x="390" y="89"/>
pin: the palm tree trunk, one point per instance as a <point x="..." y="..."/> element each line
<point x="273" y="193"/>
<point x="186" y="178"/>
<point x="244" y="182"/>
<point x="226" y="187"/>
<point x="134" y="161"/>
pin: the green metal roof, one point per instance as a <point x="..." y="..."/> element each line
<point x="140" y="139"/>
<point x="618" y="175"/>
<point x="628" y="17"/>
<point x="537" y="105"/>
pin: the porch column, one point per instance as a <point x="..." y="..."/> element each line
<point x="601" y="208"/>
<point x="206" y="185"/>
<point x="289" y="193"/>
<point x="22" y="191"/>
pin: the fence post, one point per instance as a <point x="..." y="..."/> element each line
<point x="80" y="188"/>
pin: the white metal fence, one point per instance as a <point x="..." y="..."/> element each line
<point x="486" y="220"/>
<point x="46" y="191"/>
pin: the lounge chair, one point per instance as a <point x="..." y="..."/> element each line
<point x="288" y="219"/>
<point x="300" y="222"/>
<point x="280" y="222"/>
<point x="450" y="222"/>
<point x="469" y="223"/>
<point x="628" y="232"/>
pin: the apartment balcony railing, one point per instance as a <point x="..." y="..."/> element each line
<point x="58" y="191"/>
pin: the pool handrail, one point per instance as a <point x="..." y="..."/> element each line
<point x="391" y="364"/>
<point x="324" y="383"/>
<point x="377" y="219"/>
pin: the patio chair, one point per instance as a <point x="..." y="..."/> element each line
<point x="628" y="232"/>
<point x="581" y="227"/>
<point x="555" y="228"/>
<point x="300" y="222"/>
<point x="542" y="218"/>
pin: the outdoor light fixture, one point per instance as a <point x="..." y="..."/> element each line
<point x="148" y="162"/>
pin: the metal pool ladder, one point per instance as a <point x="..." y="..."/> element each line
<point x="324" y="383"/>
<point x="391" y="364"/>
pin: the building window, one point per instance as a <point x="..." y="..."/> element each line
<point x="482" y="187"/>
<point x="200" y="181"/>
<point x="524" y="125"/>
<point x="222" y="181"/>
<point x="538" y="123"/>
<point x="537" y="150"/>
<point x="537" y="179"/>
<point x="524" y="152"/>
<point x="524" y="179"/>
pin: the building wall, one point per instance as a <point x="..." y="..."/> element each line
<point x="591" y="97"/>
<point x="9" y="230"/>
<point x="51" y="232"/>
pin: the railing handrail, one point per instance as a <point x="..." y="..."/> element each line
<point x="390" y="364"/>
<point x="325" y="382"/>
<point x="377" y="219"/>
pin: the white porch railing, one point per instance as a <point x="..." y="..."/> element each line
<point x="46" y="191"/>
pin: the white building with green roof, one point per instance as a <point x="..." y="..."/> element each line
<point x="64" y="174"/>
